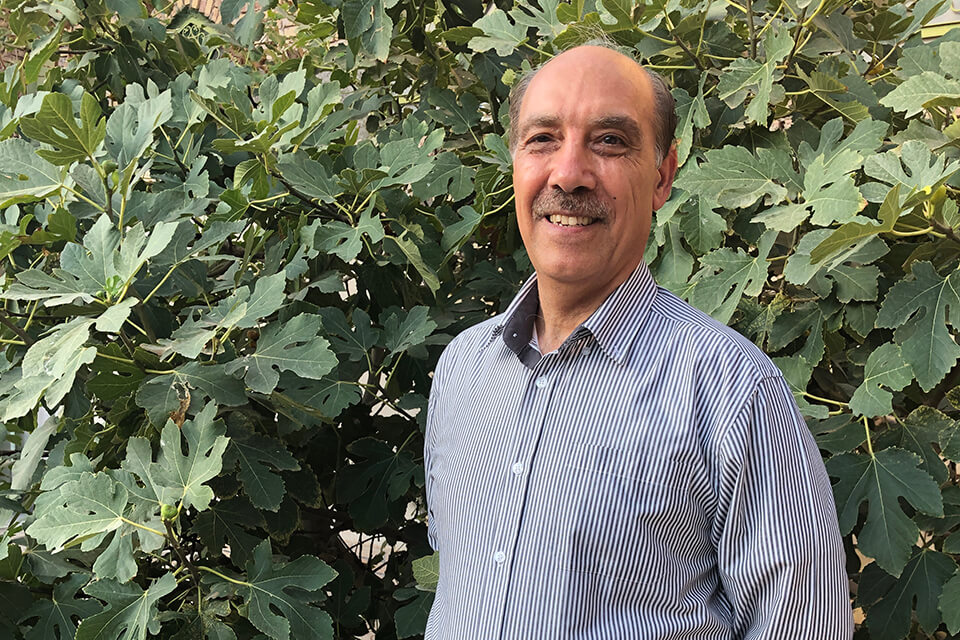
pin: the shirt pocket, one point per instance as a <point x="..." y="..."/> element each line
<point x="623" y="508"/>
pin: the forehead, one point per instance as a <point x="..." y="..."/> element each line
<point x="588" y="85"/>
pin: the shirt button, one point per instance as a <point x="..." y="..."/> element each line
<point x="541" y="382"/>
<point x="517" y="468"/>
<point x="587" y="350"/>
<point x="499" y="557"/>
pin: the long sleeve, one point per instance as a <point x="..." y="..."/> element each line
<point x="429" y="446"/>
<point x="780" y="553"/>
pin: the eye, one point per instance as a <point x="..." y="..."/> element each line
<point x="540" y="137"/>
<point x="612" y="139"/>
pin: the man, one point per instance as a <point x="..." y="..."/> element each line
<point x="603" y="460"/>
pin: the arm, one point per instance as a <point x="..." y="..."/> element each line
<point x="429" y="445"/>
<point x="779" y="549"/>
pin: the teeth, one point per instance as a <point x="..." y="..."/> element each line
<point x="569" y="221"/>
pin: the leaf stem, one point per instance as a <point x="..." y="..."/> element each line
<point x="140" y="526"/>
<point x="162" y="280"/>
<point x="866" y="429"/>
<point x="223" y="577"/>
<point x="681" y="43"/>
<point x="5" y="321"/>
<point x="172" y="539"/>
<point x="751" y="34"/>
<point x="827" y="400"/>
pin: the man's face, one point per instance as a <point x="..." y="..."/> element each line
<point x="584" y="171"/>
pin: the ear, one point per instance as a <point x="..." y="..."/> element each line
<point x="667" y="171"/>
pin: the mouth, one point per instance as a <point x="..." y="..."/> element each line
<point x="570" y="221"/>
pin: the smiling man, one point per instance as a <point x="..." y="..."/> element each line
<point x="604" y="461"/>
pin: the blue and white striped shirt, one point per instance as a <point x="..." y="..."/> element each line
<point x="650" y="479"/>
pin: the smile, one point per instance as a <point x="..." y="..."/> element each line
<point x="570" y="221"/>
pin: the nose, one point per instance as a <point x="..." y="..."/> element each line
<point x="572" y="168"/>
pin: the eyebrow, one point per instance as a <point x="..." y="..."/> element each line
<point x="626" y="124"/>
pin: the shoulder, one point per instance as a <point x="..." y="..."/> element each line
<point x="715" y="348"/>
<point x="467" y="344"/>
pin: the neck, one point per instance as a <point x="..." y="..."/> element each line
<point x="563" y="308"/>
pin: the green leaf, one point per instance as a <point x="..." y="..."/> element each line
<point x="673" y="266"/>
<point x="127" y="9"/>
<point x="131" y="612"/>
<point x="99" y="266"/>
<point x="846" y="155"/>
<point x="367" y="23"/>
<point x="926" y="171"/>
<point x="621" y="11"/>
<point x="922" y="580"/>
<point x="399" y="335"/>
<point x="163" y="394"/>
<point x="206" y="623"/>
<point x="55" y="125"/>
<point x="45" y="47"/>
<point x="747" y="75"/>
<point x="862" y="318"/>
<point x="225" y="523"/>
<point x="87" y="510"/>
<point x="736" y="178"/>
<point x="309" y="177"/>
<point x="885" y="367"/>
<point x="55" y="616"/>
<point x="242" y="310"/>
<point x="544" y="18"/>
<point x="920" y="306"/>
<point x="413" y="255"/>
<point x="21" y="476"/>
<point x="24" y="175"/>
<point x="50" y="367"/>
<point x="921" y="91"/>
<point x="293" y="346"/>
<point x="948" y="600"/>
<point x="351" y="341"/>
<point x="426" y="571"/>
<point x="131" y="126"/>
<point x="327" y="397"/>
<point x="888" y="534"/>
<point x="411" y="618"/>
<point x="827" y="88"/>
<point x="853" y="233"/>
<point x="728" y="275"/>
<point x="838" y="434"/>
<point x="272" y="588"/>
<point x="341" y="239"/>
<point x="924" y="426"/>
<point x="808" y="318"/>
<point x="498" y="33"/>
<point x="691" y="112"/>
<point x="188" y="472"/>
<point x="703" y="229"/>
<point x="255" y="455"/>
<point x="368" y="486"/>
<point x="448" y="176"/>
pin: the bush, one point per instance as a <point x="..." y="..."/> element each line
<point x="233" y="251"/>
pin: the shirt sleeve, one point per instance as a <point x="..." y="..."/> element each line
<point x="779" y="550"/>
<point x="429" y="447"/>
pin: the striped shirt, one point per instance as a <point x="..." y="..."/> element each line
<point x="650" y="479"/>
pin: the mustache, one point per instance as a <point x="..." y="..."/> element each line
<point x="586" y="205"/>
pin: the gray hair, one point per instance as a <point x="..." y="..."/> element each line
<point x="666" y="116"/>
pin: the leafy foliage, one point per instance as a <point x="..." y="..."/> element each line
<point x="233" y="251"/>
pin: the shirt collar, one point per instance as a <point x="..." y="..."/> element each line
<point x="614" y="324"/>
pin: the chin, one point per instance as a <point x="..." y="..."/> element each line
<point x="576" y="273"/>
